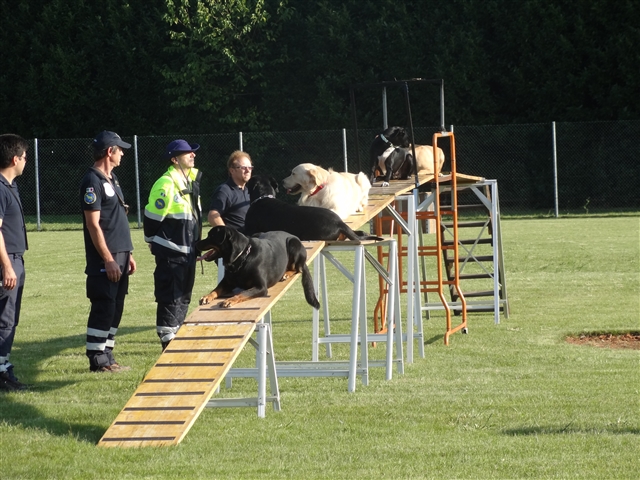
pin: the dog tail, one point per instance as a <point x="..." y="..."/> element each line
<point x="307" y="286"/>
<point x="365" y="236"/>
<point x="356" y="237"/>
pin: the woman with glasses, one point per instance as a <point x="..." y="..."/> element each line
<point x="230" y="201"/>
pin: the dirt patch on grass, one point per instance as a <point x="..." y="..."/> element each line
<point x="629" y="340"/>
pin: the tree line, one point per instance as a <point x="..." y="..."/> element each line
<point x="72" y="67"/>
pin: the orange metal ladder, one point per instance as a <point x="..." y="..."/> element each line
<point x="437" y="252"/>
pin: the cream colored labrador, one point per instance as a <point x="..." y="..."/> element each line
<point x="424" y="159"/>
<point x="344" y="193"/>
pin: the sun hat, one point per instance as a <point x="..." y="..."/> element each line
<point x="179" y="146"/>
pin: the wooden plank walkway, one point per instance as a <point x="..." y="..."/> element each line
<point x="381" y="197"/>
<point x="177" y="388"/>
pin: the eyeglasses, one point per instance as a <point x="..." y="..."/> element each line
<point x="238" y="167"/>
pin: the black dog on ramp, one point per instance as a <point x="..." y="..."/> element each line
<point x="255" y="264"/>
<point x="398" y="165"/>
<point x="383" y="145"/>
<point x="266" y="213"/>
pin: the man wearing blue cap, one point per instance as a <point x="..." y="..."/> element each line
<point x="172" y="226"/>
<point x="108" y="248"/>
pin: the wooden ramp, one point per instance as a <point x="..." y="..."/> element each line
<point x="382" y="197"/>
<point x="178" y="387"/>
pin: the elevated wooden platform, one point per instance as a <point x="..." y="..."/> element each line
<point x="178" y="387"/>
<point x="382" y="197"/>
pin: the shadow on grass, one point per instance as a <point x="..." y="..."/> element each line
<point x="21" y="413"/>
<point x="433" y="339"/>
<point x="29" y="417"/>
<point x="569" y="429"/>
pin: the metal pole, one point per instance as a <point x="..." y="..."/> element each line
<point x="135" y="153"/>
<point x="355" y="126"/>
<point x="442" y="105"/>
<point x="35" y="148"/>
<point x="385" y="122"/>
<point x="413" y="140"/>
<point x="555" y="167"/>
<point x="241" y="143"/>
<point x="344" y="149"/>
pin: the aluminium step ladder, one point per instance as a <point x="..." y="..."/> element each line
<point x="482" y="272"/>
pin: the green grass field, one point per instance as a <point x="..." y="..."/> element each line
<point x="512" y="400"/>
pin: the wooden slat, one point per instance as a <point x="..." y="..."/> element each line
<point x="177" y="388"/>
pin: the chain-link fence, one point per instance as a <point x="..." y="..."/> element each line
<point x="576" y="167"/>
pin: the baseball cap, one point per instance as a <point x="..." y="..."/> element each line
<point x="179" y="146"/>
<point x="106" y="139"/>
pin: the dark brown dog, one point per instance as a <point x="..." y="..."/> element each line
<point x="255" y="264"/>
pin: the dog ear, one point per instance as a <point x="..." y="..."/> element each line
<point x="312" y="172"/>
<point x="273" y="183"/>
<point x="236" y="241"/>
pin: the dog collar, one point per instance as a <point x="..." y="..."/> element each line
<point x="384" y="139"/>
<point x="260" y="198"/>
<point x="316" y="190"/>
<point x="244" y="254"/>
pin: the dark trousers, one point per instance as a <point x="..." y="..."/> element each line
<point x="173" y="283"/>
<point x="107" y="305"/>
<point x="10" y="303"/>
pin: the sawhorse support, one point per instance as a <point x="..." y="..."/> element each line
<point x="356" y="365"/>
<point x="265" y="364"/>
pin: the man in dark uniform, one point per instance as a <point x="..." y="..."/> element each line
<point x="108" y="249"/>
<point x="230" y="201"/>
<point x="172" y="224"/>
<point x="13" y="243"/>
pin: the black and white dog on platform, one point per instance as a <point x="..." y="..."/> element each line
<point x="389" y="155"/>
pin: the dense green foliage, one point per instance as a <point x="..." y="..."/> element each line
<point x="71" y="67"/>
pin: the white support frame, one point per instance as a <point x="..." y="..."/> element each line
<point x="359" y="328"/>
<point x="265" y="364"/>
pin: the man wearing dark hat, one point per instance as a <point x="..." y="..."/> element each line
<point x="108" y="248"/>
<point x="172" y="226"/>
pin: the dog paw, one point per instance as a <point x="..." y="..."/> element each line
<point x="206" y="300"/>
<point x="385" y="184"/>
<point x="228" y="303"/>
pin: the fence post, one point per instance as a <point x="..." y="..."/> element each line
<point x="35" y="148"/>
<point x="384" y="108"/>
<point x="240" y="138"/>
<point x="555" y="166"/>
<point x="344" y="149"/>
<point x="135" y="153"/>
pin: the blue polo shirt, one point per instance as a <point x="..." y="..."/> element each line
<point x="232" y="203"/>
<point x="97" y="194"/>
<point x="13" y="228"/>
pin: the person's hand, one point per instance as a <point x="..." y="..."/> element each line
<point x="9" y="278"/>
<point x="132" y="265"/>
<point x="113" y="271"/>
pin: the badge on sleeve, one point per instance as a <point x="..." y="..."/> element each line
<point x="89" y="196"/>
<point x="159" y="203"/>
